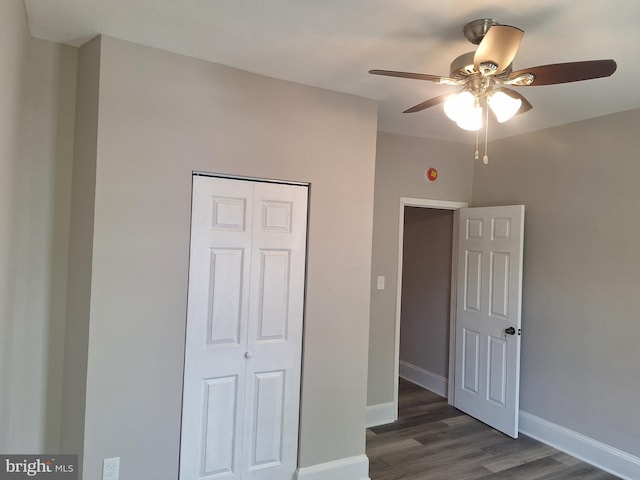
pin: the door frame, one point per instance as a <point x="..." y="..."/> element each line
<point x="438" y="205"/>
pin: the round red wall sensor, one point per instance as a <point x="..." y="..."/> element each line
<point x="431" y="174"/>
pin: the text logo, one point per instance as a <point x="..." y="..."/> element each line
<point x="39" y="467"/>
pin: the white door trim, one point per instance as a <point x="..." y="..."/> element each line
<point x="422" y="203"/>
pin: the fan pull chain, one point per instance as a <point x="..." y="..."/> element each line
<point x="485" y="159"/>
<point x="477" y="154"/>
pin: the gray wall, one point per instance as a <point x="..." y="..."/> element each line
<point x="426" y="289"/>
<point x="401" y="162"/>
<point x="579" y="184"/>
<point x="13" y="58"/>
<point x="160" y="116"/>
<point x="36" y="144"/>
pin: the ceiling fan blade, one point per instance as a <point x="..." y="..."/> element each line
<point x="567" y="72"/>
<point x="427" y="104"/>
<point x="525" y="107"/>
<point x="498" y="47"/>
<point x="417" y="76"/>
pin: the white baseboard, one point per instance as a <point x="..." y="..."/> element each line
<point x="351" y="468"/>
<point x="381" y="414"/>
<point x="424" y="378"/>
<point x="596" y="453"/>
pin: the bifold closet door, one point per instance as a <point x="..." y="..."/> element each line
<point x="244" y="330"/>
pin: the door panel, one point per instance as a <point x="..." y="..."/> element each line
<point x="219" y="439"/>
<point x="268" y="415"/>
<point x="497" y="375"/>
<point x="499" y="285"/>
<point x="473" y="272"/>
<point x="274" y="294"/>
<point x="470" y="363"/>
<point x="225" y="294"/>
<point x="244" y="330"/>
<point x="217" y="317"/>
<point x="275" y="329"/>
<point x="487" y="365"/>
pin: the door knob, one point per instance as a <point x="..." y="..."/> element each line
<point x="247" y="355"/>
<point x="510" y="331"/>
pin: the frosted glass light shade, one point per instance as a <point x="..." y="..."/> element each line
<point x="472" y="120"/>
<point x="503" y="105"/>
<point x="458" y="105"/>
<point x="465" y="110"/>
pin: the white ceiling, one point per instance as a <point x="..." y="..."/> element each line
<point x="333" y="43"/>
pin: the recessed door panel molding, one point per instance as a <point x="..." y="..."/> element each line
<point x="219" y="439"/>
<point x="274" y="294"/>
<point x="499" y="285"/>
<point x="497" y="388"/>
<point x="474" y="229"/>
<point x="245" y="305"/>
<point x="225" y="294"/>
<point x="472" y="277"/>
<point x="276" y="216"/>
<point x="500" y="228"/>
<point x="268" y="418"/>
<point x="228" y="213"/>
<point x="488" y="303"/>
<point x="470" y="365"/>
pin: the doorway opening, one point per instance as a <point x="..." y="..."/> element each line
<point x="425" y="361"/>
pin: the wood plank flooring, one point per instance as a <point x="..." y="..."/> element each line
<point x="433" y="441"/>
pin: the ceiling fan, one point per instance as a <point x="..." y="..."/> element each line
<point x="486" y="74"/>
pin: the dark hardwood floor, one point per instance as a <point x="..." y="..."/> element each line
<point x="433" y="441"/>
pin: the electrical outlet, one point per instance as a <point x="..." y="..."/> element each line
<point x="111" y="468"/>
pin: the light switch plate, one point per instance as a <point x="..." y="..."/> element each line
<point x="380" y="282"/>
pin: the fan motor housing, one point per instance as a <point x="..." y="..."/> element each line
<point x="462" y="67"/>
<point x="476" y="30"/>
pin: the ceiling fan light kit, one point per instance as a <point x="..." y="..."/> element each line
<point x="503" y="105"/>
<point x="484" y="74"/>
<point x="465" y="108"/>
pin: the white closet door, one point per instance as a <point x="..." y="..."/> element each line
<point x="244" y="330"/>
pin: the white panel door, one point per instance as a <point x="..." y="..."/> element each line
<point x="244" y="330"/>
<point x="489" y="291"/>
<point x="274" y="334"/>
